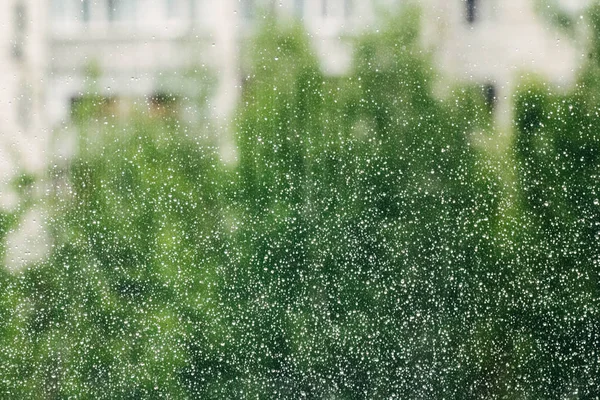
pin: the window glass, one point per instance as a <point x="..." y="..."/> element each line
<point x="299" y="8"/>
<point x="85" y="10"/>
<point x="174" y="8"/>
<point x="121" y="10"/>
<point x="339" y="199"/>
<point x="348" y="8"/>
<point x="20" y="26"/>
<point x="248" y="9"/>
<point x="58" y="8"/>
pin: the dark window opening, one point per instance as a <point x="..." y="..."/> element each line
<point x="162" y="104"/>
<point x="491" y="96"/>
<point x="471" y="11"/>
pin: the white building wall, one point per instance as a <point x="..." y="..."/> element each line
<point x="150" y="45"/>
<point x="144" y="48"/>
<point x="23" y="139"/>
<point x="507" y="41"/>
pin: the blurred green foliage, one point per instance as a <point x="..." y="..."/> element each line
<point x="358" y="249"/>
<point x="553" y="13"/>
<point x="557" y="152"/>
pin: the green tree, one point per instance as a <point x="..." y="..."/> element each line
<point x="366" y="215"/>
<point x="556" y="294"/>
<point x="126" y="297"/>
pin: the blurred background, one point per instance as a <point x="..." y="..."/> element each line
<point x="56" y="52"/>
<point x="328" y="199"/>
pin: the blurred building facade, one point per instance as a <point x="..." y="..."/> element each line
<point x="152" y="47"/>
<point x="53" y="52"/>
<point x="497" y="43"/>
<point x="139" y="49"/>
<point x="23" y="137"/>
<point x="146" y="47"/>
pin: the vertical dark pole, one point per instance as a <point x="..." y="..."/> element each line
<point x="471" y="11"/>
